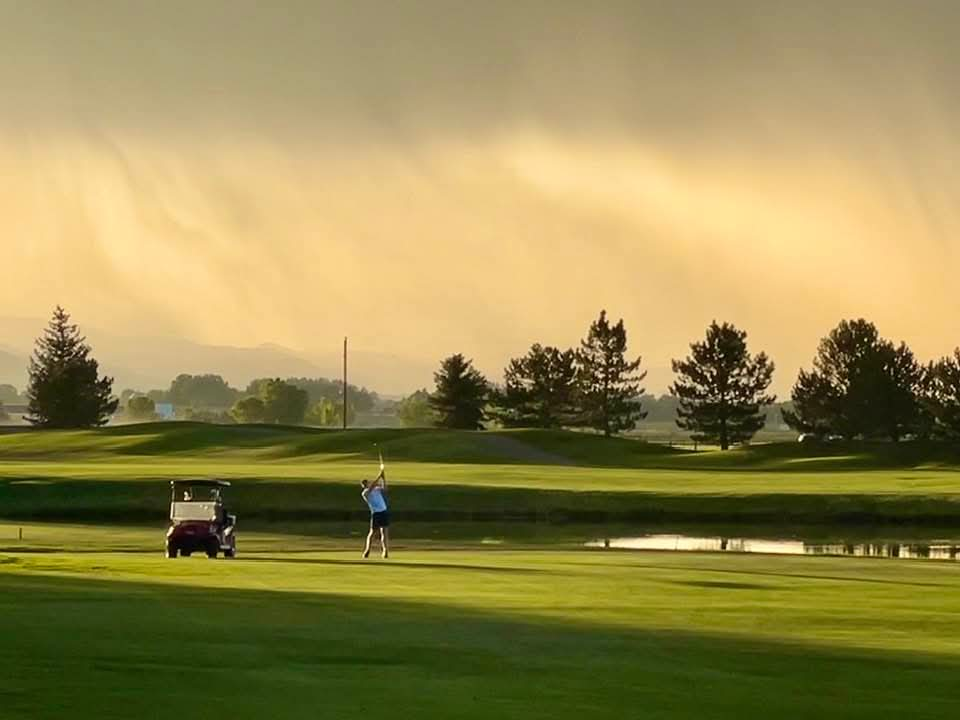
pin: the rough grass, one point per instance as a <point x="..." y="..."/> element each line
<point x="477" y="634"/>
<point x="285" y="473"/>
<point x="269" y="442"/>
<point x="537" y="447"/>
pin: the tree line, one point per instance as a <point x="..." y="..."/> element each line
<point x="720" y="388"/>
<point x="212" y="392"/>
<point x="293" y="401"/>
<point x="862" y="385"/>
<point x="859" y="386"/>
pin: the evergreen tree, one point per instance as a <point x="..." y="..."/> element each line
<point x="609" y="384"/>
<point x="861" y="385"/>
<point x="460" y="396"/>
<point x="899" y="382"/>
<point x="66" y="390"/>
<point x="722" y="388"/>
<point x="941" y="398"/>
<point x="539" y="389"/>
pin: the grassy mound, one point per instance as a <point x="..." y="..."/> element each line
<point x="531" y="447"/>
<point x="119" y="473"/>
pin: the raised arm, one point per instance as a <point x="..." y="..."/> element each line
<point x="382" y="479"/>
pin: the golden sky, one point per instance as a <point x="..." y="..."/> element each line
<point x="434" y="177"/>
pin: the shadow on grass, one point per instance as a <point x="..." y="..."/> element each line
<point x="126" y="501"/>
<point x="26" y="550"/>
<point x="76" y="648"/>
<point x="719" y="585"/>
<point x="392" y="563"/>
<point x="427" y="445"/>
<point x="784" y="574"/>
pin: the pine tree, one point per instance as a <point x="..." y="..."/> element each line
<point x="609" y="385"/>
<point x="941" y="398"/>
<point x="861" y="385"/>
<point x="461" y="394"/>
<point x="65" y="388"/>
<point x="539" y="389"/>
<point x="899" y="386"/>
<point x="722" y="388"/>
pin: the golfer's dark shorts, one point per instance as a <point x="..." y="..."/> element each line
<point x="380" y="519"/>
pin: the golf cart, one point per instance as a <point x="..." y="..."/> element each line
<point x="199" y="521"/>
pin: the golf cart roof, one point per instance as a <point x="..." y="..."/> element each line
<point x="200" y="483"/>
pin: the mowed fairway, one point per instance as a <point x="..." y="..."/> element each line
<point x="476" y="634"/>
<point x="94" y="623"/>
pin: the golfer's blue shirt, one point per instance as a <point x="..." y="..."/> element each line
<point x="375" y="500"/>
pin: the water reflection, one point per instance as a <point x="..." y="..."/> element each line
<point x="939" y="550"/>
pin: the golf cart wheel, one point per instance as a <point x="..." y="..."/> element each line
<point x="171" y="551"/>
<point x="230" y="553"/>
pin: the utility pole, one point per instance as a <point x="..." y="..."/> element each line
<point x="344" y="383"/>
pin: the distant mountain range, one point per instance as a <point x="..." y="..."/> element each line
<point x="145" y="363"/>
<point x="13" y="369"/>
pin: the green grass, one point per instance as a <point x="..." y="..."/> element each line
<point x="296" y="474"/>
<point x="476" y="633"/>
<point x="95" y="624"/>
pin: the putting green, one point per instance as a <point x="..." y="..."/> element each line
<point x="476" y="634"/>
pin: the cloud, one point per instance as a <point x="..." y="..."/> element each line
<point x="431" y="177"/>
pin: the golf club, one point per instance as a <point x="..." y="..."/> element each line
<point x="380" y="454"/>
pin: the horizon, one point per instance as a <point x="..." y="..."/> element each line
<point x="239" y="380"/>
<point x="451" y="184"/>
<point x="313" y="366"/>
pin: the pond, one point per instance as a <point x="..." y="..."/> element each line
<point x="927" y="549"/>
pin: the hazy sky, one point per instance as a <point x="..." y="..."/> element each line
<point x="432" y="177"/>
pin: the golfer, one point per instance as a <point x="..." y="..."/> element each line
<point x="373" y="495"/>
